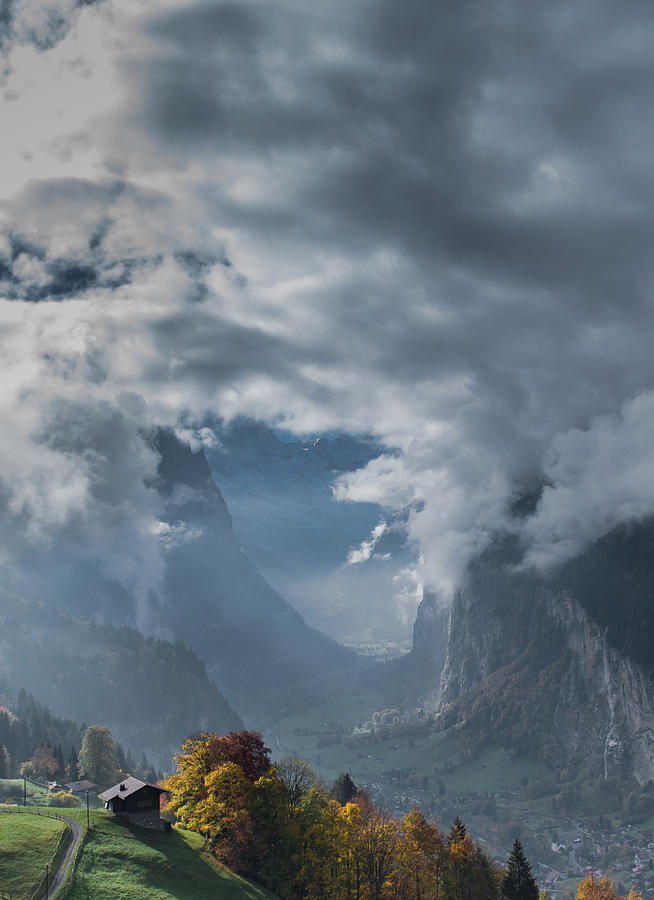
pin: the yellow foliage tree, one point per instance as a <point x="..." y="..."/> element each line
<point x="595" y="888"/>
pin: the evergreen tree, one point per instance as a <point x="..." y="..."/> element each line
<point x="122" y="761"/>
<point x="71" y="766"/>
<point x="519" y="883"/>
<point x="344" y="789"/>
<point x="457" y="833"/>
<point x="146" y="772"/>
<point x="130" y="763"/>
<point x="61" y="766"/>
<point x="5" y="762"/>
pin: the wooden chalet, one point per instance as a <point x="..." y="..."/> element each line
<point x="80" y="787"/>
<point x="132" y="796"/>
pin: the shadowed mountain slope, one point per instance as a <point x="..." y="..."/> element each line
<point x="215" y="599"/>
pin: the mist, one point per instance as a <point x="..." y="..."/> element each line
<point x="427" y="225"/>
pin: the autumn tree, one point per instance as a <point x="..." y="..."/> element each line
<point x="422" y="854"/>
<point x="277" y="843"/>
<point x="245" y="748"/>
<point x="226" y="789"/>
<point x="224" y="816"/>
<point x="97" y="758"/>
<point x="323" y="861"/>
<point x="275" y="823"/>
<point x="43" y="763"/>
<point x="375" y="849"/>
<point x="519" y="883"/>
<point x="298" y="779"/>
<point x="186" y="787"/>
<point x="349" y="872"/>
<point x="468" y="874"/>
<point x="596" y="888"/>
<point x="204" y="753"/>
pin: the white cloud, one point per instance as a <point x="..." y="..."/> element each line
<point x="328" y="226"/>
<point x="598" y="477"/>
<point x="363" y="553"/>
<point x="176" y="534"/>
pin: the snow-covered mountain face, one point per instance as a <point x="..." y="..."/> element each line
<point x="345" y="566"/>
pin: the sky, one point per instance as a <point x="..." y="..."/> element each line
<point x="426" y="222"/>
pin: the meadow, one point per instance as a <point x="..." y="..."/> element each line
<point x="27" y="843"/>
<point x="119" y="861"/>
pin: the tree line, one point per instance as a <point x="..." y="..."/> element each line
<point x="36" y="744"/>
<point x="281" y="825"/>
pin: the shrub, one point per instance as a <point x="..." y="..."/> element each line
<point x="62" y="798"/>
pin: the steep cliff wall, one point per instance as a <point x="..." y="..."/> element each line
<point x="605" y="702"/>
<point x="552" y="665"/>
<point x="414" y="679"/>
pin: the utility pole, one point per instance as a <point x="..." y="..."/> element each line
<point x="47" y="881"/>
<point x="87" y="810"/>
<point x="24" y="791"/>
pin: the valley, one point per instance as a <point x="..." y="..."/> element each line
<point x="569" y="824"/>
<point x="539" y="731"/>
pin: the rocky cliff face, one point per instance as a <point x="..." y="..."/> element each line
<point x="415" y="678"/>
<point x="606" y="701"/>
<point x="551" y="664"/>
<point x="216" y="601"/>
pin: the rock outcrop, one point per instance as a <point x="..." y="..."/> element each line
<point x="556" y="666"/>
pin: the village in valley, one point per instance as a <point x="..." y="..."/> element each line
<point x="491" y="794"/>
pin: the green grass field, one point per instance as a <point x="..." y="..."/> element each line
<point x="27" y="843"/>
<point x="12" y="788"/>
<point x="118" y="861"/>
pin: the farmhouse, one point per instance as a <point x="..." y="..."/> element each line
<point x="80" y="787"/>
<point x="132" y="796"/>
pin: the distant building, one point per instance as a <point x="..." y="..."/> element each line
<point x="132" y="796"/>
<point x="81" y="787"/>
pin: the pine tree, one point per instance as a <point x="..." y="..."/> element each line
<point x="120" y="757"/>
<point x="519" y="883"/>
<point x="61" y="766"/>
<point x="72" y="765"/>
<point x="457" y="832"/>
<point x="5" y="762"/>
<point x="343" y="789"/>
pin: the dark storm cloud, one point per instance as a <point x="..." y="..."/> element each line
<point x="436" y="120"/>
<point x="427" y="221"/>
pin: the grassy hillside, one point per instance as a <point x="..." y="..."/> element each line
<point x="11" y="790"/>
<point x="118" y="861"/>
<point x="27" y="843"/>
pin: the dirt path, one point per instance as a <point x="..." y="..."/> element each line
<point x="62" y="871"/>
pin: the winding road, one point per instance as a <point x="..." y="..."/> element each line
<point x="62" y="871"/>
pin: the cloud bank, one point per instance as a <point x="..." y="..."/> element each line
<point x="430" y="223"/>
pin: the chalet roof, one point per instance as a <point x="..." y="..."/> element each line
<point x="126" y="788"/>
<point x="80" y="786"/>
